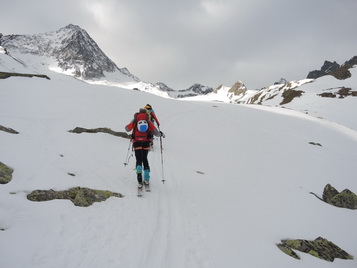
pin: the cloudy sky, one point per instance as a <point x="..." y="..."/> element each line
<point x="211" y="42"/>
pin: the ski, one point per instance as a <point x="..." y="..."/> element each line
<point x="140" y="191"/>
<point x="147" y="187"/>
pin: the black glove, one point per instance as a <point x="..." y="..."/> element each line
<point x="162" y="134"/>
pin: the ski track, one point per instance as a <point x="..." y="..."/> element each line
<point x="164" y="222"/>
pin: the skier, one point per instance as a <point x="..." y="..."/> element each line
<point x="152" y="118"/>
<point x="141" y="128"/>
<point x="152" y="115"/>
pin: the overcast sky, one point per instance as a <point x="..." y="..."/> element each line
<point x="211" y="42"/>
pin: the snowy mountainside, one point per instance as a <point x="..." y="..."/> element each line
<point x="233" y="94"/>
<point x="331" y="68"/>
<point x="227" y="209"/>
<point x="325" y="97"/>
<point x="72" y="49"/>
<point x="194" y="90"/>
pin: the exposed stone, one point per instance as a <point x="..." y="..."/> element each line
<point x="80" y="196"/>
<point x="342" y="73"/>
<point x="4" y="75"/>
<point x="75" y="51"/>
<point x="8" y="130"/>
<point x="79" y="130"/>
<point x="238" y="89"/>
<point x="290" y="94"/>
<point x="344" y="199"/>
<point x="320" y="248"/>
<point x="341" y="93"/>
<point x="326" y="68"/>
<point x="329" y="193"/>
<point x="315" y="143"/>
<point x="287" y="250"/>
<point x="5" y="173"/>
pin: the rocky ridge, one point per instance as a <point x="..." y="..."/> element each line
<point x="71" y="47"/>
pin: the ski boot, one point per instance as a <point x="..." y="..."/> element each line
<point x="147" y="179"/>
<point x="140" y="180"/>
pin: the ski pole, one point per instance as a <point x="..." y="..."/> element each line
<point x="162" y="158"/>
<point x="127" y="155"/>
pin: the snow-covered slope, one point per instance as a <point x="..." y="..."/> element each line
<point x="234" y="94"/>
<point x="238" y="180"/>
<point x="325" y="97"/>
<point x="72" y="50"/>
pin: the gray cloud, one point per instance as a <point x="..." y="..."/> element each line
<point x="211" y="42"/>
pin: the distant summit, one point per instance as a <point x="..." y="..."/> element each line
<point x="326" y="68"/>
<point x="194" y="90"/>
<point x="333" y="68"/>
<point x="75" y="52"/>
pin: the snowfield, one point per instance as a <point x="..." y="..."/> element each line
<point x="238" y="180"/>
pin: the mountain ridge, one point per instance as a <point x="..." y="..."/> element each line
<point x="75" y="53"/>
<point x="72" y="48"/>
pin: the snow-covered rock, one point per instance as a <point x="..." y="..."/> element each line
<point x="71" y="48"/>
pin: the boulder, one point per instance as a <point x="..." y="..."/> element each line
<point x="344" y="199"/>
<point x="5" y="173"/>
<point x="80" y="196"/>
<point x="329" y="193"/>
<point x="8" y="130"/>
<point x="320" y="248"/>
<point x="79" y="130"/>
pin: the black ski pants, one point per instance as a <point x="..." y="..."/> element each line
<point x="141" y="153"/>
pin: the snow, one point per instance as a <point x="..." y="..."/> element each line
<point x="238" y="180"/>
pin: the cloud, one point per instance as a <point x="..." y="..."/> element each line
<point x="211" y="42"/>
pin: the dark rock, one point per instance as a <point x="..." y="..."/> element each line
<point x="82" y="197"/>
<point x="345" y="199"/>
<point x="326" y="68"/>
<point x="342" y="92"/>
<point x="5" y="173"/>
<point x="8" y="130"/>
<point x="351" y="62"/>
<point x="315" y="143"/>
<point x="79" y="130"/>
<point x="290" y="94"/>
<point x="329" y="193"/>
<point x="341" y="73"/>
<point x="287" y="250"/>
<point x="327" y="95"/>
<point x="320" y="248"/>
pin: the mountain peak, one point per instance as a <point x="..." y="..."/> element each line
<point x="71" y="47"/>
<point x="73" y="27"/>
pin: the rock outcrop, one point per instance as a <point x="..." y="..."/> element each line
<point x="326" y="68"/>
<point x="320" y="248"/>
<point x="5" y="173"/>
<point x="80" y="196"/>
<point x="344" y="199"/>
<point x="8" y="130"/>
<point x="71" y="47"/>
<point x="79" y="130"/>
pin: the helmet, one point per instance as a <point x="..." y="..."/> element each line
<point x="148" y="107"/>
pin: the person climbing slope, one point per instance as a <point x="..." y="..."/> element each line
<point x="153" y="119"/>
<point x="142" y="127"/>
<point x="152" y="115"/>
